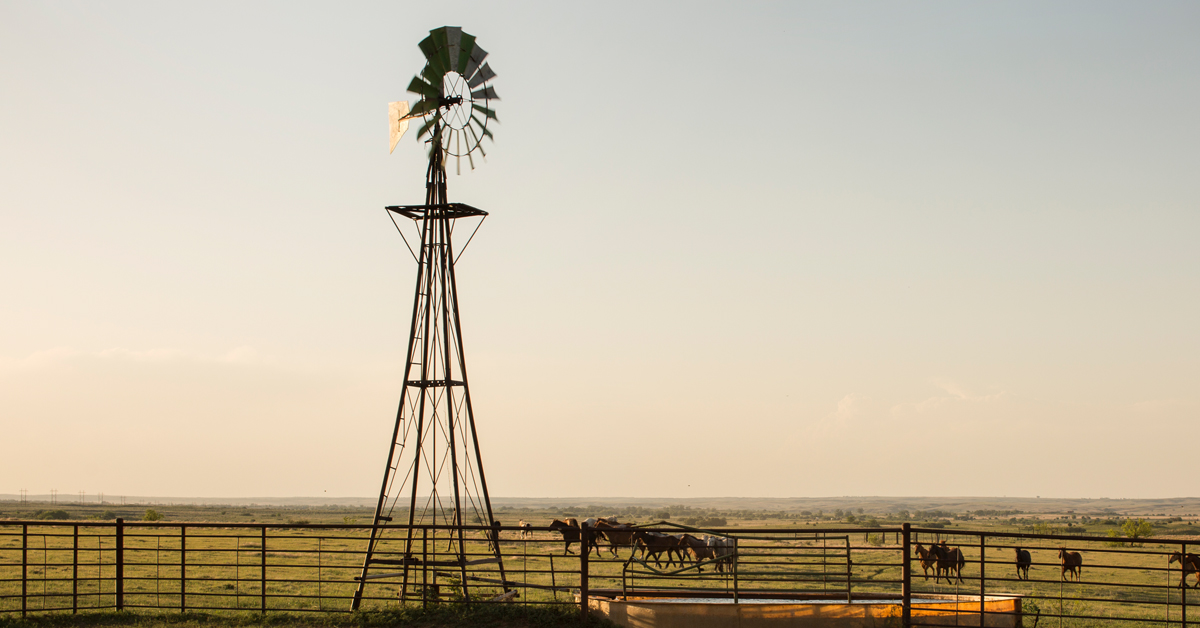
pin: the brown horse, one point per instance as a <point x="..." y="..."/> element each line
<point x="949" y="560"/>
<point x="620" y="535"/>
<point x="569" y="532"/>
<point x="1189" y="563"/>
<point x="654" y="544"/>
<point x="927" y="559"/>
<point x="1072" y="562"/>
<point x="1024" y="560"/>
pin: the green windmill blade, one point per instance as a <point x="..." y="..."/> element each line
<point x="484" y="74"/>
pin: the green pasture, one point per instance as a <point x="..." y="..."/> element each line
<point x="311" y="569"/>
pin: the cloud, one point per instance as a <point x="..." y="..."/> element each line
<point x="957" y="397"/>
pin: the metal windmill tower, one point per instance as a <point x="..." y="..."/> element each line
<point x="434" y="473"/>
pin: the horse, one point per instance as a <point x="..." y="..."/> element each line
<point x="616" y="535"/>
<point x="569" y="532"/>
<point x="724" y="551"/>
<point x="1072" y="562"/>
<point x="1190" y="564"/>
<point x="699" y="549"/>
<point x="950" y="560"/>
<point x="927" y="559"/>
<point x="526" y="529"/>
<point x="1024" y="560"/>
<point x="653" y="544"/>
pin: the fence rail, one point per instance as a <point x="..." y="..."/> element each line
<point x="74" y="567"/>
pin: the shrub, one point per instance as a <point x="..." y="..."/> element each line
<point x="152" y="515"/>
<point x="52" y="514"/>
<point x="1113" y="534"/>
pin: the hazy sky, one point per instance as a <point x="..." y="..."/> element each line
<point x="744" y="249"/>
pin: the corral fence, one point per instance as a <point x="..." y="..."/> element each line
<point x="74" y="567"/>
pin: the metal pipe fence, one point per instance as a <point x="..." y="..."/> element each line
<point x="48" y="567"/>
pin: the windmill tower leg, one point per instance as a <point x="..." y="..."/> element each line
<point x="434" y="468"/>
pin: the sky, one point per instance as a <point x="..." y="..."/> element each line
<point x="734" y="249"/>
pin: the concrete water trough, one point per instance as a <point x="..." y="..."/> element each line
<point x="777" y="610"/>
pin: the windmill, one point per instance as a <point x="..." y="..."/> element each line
<point x="434" y="473"/>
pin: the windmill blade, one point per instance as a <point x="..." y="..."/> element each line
<point x="429" y="48"/>
<point x="437" y="117"/>
<point x="397" y="122"/>
<point x="441" y="44"/>
<point x="484" y="74"/>
<point x="485" y="111"/>
<point x="453" y="46"/>
<point x="418" y="86"/>
<point x="434" y="75"/>
<point x="422" y="107"/>
<point x="482" y="127"/>
<point x="487" y="92"/>
<point x="466" y="46"/>
<point x="477" y="56"/>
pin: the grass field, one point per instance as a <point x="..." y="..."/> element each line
<point x="311" y="569"/>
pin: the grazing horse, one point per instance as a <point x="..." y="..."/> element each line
<point x="1024" y="560"/>
<point x="526" y="529"/>
<point x="927" y="559"/>
<point x="1190" y="564"/>
<point x="1072" y="562"/>
<point x="950" y="560"/>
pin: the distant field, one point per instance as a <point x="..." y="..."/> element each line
<point x="1170" y="517"/>
<point x="1123" y="586"/>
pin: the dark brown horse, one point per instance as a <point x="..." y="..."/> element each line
<point x="654" y="544"/>
<point x="619" y="535"/>
<point x="1072" y="562"/>
<point x="1189" y="563"/>
<point x="1024" y="560"/>
<point x="949" y="560"/>
<point x="569" y="532"/>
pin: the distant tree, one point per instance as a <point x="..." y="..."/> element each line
<point x="1137" y="528"/>
<point x="152" y="515"/>
<point x="52" y="514"/>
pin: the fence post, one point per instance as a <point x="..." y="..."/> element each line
<point x="24" y="568"/>
<point x="262" y="575"/>
<point x="906" y="575"/>
<point x="585" y="535"/>
<point x="75" y="569"/>
<point x="182" y="568"/>
<point x="982" y="576"/>
<point x="120" y="564"/>
<point x="1183" y="589"/>
<point x="736" y="592"/>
